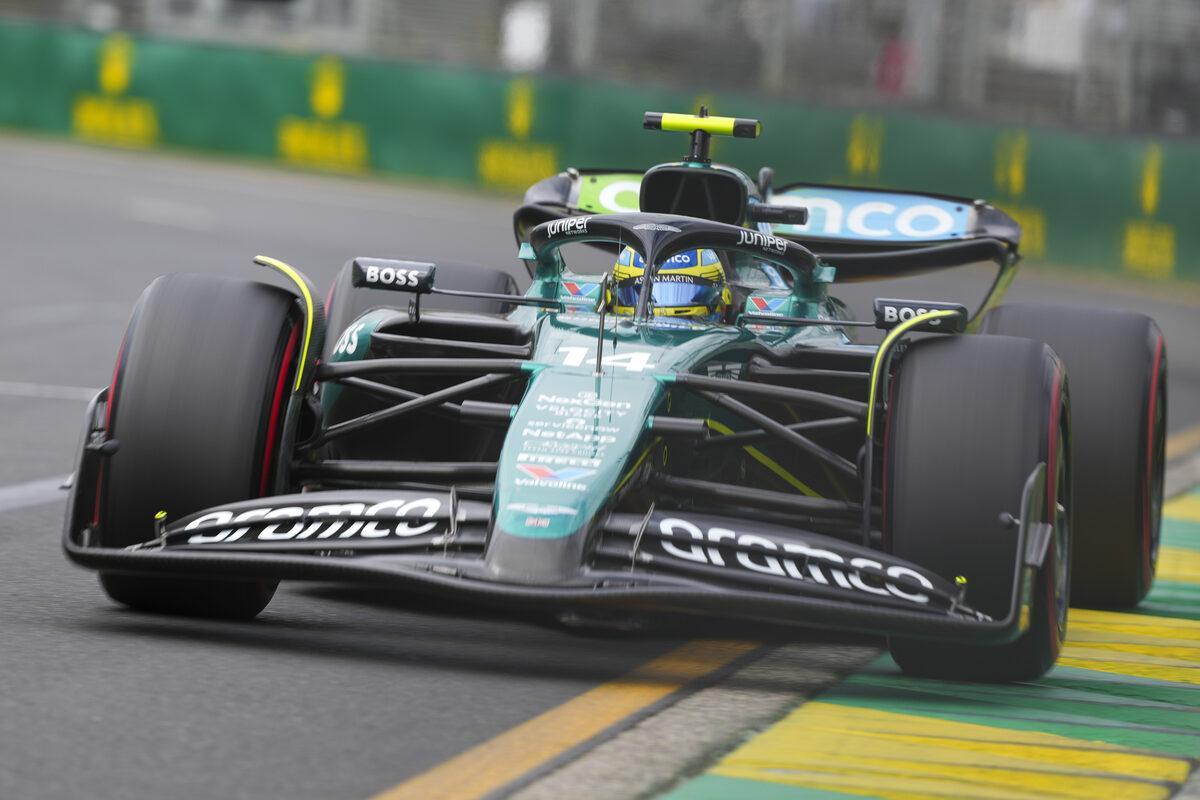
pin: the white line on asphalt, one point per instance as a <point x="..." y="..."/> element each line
<point x="34" y="493"/>
<point x="45" y="391"/>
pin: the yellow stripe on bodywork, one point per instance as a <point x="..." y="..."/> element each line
<point x="767" y="461"/>
<point x="885" y="754"/>
<point x="640" y="459"/>
<point x="295" y="278"/>
<point x="881" y="356"/>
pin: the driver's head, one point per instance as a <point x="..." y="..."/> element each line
<point x="689" y="284"/>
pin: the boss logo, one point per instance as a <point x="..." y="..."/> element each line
<point x="399" y="277"/>
<point x="890" y="313"/>
<point x="403" y="276"/>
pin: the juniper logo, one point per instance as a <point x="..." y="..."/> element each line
<point x="764" y="240"/>
<point x="568" y="226"/>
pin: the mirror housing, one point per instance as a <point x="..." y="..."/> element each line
<point x="778" y="215"/>
<point x="412" y="277"/>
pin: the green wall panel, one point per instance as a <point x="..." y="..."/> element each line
<point x="1105" y="203"/>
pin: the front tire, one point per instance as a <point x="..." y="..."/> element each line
<point x="970" y="419"/>
<point x="196" y="404"/>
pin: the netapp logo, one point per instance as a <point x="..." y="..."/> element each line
<point x="345" y="521"/>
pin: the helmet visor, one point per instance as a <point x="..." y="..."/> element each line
<point x="671" y="291"/>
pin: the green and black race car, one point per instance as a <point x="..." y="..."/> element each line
<point x="687" y="427"/>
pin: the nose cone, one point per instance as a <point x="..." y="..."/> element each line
<point x="574" y="440"/>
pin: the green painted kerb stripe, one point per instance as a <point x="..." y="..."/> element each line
<point x="718" y="787"/>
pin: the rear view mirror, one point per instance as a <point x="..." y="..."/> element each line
<point x="778" y="215"/>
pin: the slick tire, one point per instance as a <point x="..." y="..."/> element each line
<point x="347" y="303"/>
<point x="197" y="404"/>
<point x="1117" y="362"/>
<point x="970" y="418"/>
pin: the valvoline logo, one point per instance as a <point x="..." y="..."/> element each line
<point x="585" y="291"/>
<point x="541" y="472"/>
<point x="767" y="304"/>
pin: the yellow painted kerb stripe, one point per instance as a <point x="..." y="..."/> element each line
<point x="881" y="354"/>
<point x="295" y="278"/>
<point x="498" y="762"/>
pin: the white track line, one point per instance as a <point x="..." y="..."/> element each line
<point x="35" y="493"/>
<point x="44" y="391"/>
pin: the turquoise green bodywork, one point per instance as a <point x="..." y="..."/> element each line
<point x="591" y="427"/>
<point x="581" y="430"/>
<point x="352" y="345"/>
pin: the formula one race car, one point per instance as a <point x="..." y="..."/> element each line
<point x="689" y="430"/>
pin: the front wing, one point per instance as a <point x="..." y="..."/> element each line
<point x="433" y="542"/>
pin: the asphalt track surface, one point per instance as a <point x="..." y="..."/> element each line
<point x="331" y="693"/>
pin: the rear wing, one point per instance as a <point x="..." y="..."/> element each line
<point x="577" y="191"/>
<point x="868" y="234"/>
<point x="875" y="233"/>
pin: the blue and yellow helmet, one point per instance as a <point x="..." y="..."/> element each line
<point x="689" y="284"/>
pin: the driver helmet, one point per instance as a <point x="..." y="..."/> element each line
<point x="689" y="284"/>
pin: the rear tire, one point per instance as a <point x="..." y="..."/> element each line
<point x="970" y="418"/>
<point x="196" y="404"/>
<point x="1118" y="367"/>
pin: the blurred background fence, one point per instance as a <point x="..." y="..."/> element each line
<point x="1080" y="117"/>
<point x="1097" y="65"/>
